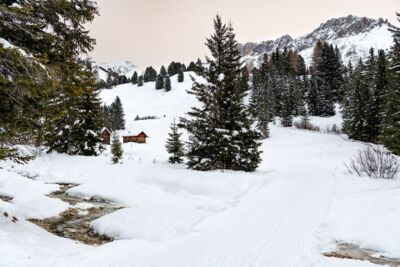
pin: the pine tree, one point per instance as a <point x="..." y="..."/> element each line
<point x="117" y="115"/>
<point x="85" y="133"/>
<point x="357" y="99"/>
<point x="116" y="149"/>
<point x="47" y="87"/>
<point x="287" y="118"/>
<point x="172" y="69"/>
<point x="109" y="82"/>
<point x="191" y="67"/>
<point x="390" y="136"/>
<point x="220" y="130"/>
<point x="181" y="76"/>
<point x="134" y="78"/>
<point x="150" y="75"/>
<point x="163" y="72"/>
<point x="160" y="82"/>
<point x="140" y="81"/>
<point x="167" y="84"/>
<point x="174" y="145"/>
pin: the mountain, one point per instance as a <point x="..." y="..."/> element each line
<point x="126" y="68"/>
<point x="353" y="35"/>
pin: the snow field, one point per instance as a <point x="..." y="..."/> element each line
<point x="294" y="207"/>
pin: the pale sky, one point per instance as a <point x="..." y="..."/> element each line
<point x="156" y="32"/>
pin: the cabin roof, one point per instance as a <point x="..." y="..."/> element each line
<point x="105" y="129"/>
<point x="143" y="133"/>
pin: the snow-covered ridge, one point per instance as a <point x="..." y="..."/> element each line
<point x="126" y="68"/>
<point x="353" y="35"/>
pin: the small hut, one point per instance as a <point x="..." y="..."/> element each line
<point x="106" y="136"/>
<point x="140" y="138"/>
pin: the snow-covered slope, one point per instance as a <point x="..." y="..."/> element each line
<point x="126" y="68"/>
<point x="295" y="206"/>
<point x="353" y="35"/>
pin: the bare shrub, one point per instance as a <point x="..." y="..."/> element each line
<point x="374" y="162"/>
<point x="305" y="124"/>
<point x="334" y="129"/>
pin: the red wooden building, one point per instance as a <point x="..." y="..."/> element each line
<point x="140" y="138"/>
<point x="106" y="136"/>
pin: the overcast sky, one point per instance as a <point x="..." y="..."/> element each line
<point x="155" y="32"/>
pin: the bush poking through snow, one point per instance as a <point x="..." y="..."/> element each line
<point x="374" y="162"/>
<point x="334" y="129"/>
<point x="305" y="124"/>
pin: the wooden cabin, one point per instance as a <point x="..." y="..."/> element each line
<point x="140" y="138"/>
<point x="106" y="136"/>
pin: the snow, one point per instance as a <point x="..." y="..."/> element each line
<point x="294" y="207"/>
<point x="8" y="45"/>
<point x="126" y="68"/>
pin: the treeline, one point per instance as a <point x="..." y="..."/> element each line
<point x="162" y="77"/>
<point x="369" y="93"/>
<point x="371" y="106"/>
<point x="283" y="85"/>
<point x="47" y="93"/>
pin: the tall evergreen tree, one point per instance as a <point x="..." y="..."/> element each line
<point x="181" y="76"/>
<point x="117" y="115"/>
<point x="140" y="81"/>
<point x="163" y="72"/>
<point x="172" y="69"/>
<point x="356" y="102"/>
<point x="220" y="131"/>
<point x="174" y="145"/>
<point x="191" y="67"/>
<point x="160" y="82"/>
<point x="391" y="121"/>
<point x="134" y="78"/>
<point x="167" y="84"/>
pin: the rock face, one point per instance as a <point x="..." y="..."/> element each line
<point x="353" y="35"/>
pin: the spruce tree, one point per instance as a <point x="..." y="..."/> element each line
<point x="221" y="135"/>
<point x="356" y="103"/>
<point x="85" y="132"/>
<point x="40" y="94"/>
<point x="116" y="149"/>
<point x="172" y="69"/>
<point x="287" y="118"/>
<point x="181" y="76"/>
<point x="109" y="82"/>
<point x="163" y="72"/>
<point x="174" y="145"/>
<point x="117" y="115"/>
<point x="191" y="67"/>
<point x="140" y="81"/>
<point x="390" y="136"/>
<point x="167" y="84"/>
<point x="160" y="82"/>
<point x="134" y="78"/>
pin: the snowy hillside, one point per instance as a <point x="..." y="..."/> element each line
<point x="296" y="206"/>
<point x="354" y="36"/>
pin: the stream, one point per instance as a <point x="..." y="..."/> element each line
<point x="74" y="223"/>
